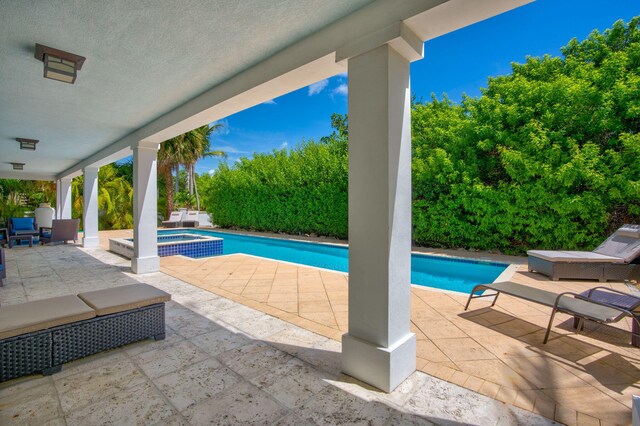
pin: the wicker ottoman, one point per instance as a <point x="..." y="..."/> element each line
<point x="38" y="337"/>
<point x="25" y="333"/>
<point x="124" y="315"/>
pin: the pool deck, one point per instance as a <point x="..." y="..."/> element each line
<point x="474" y="360"/>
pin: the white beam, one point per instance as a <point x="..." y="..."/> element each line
<point x="90" y="202"/>
<point x="26" y="175"/>
<point x="145" y="208"/>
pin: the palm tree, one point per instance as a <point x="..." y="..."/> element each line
<point x="185" y="149"/>
<point x="167" y="160"/>
<point x="196" y="146"/>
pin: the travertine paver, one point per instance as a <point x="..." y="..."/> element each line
<point x="217" y="371"/>
<point x="495" y="351"/>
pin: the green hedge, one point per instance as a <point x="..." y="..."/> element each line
<point x="300" y="191"/>
<point x="547" y="157"/>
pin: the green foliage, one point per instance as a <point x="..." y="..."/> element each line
<point x="115" y="197"/>
<point x="18" y="197"/>
<point x="296" y="191"/>
<point x="547" y="157"/>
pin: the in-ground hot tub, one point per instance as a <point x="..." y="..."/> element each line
<point x="184" y="244"/>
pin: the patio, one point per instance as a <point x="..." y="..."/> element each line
<point x="221" y="363"/>
<point x="239" y="322"/>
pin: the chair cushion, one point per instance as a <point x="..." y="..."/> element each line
<point x="119" y="299"/>
<point x="42" y="314"/>
<point x="1" y="267"/>
<point x="574" y="256"/>
<point x="22" y="223"/>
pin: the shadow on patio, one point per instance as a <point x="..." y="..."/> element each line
<point x="498" y="352"/>
<point x="221" y="362"/>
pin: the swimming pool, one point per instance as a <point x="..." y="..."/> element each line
<point x="432" y="271"/>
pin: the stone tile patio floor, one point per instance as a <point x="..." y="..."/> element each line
<point x="223" y="360"/>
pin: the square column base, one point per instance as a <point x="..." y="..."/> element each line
<point x="145" y="265"/>
<point x="384" y="368"/>
<point x="90" y="242"/>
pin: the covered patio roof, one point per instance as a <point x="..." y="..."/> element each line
<point x="157" y="69"/>
<point x="154" y="70"/>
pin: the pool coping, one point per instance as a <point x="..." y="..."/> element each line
<point x="124" y="246"/>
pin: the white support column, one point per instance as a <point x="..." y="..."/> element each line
<point x="63" y="200"/>
<point x="145" y="208"/>
<point x="380" y="348"/>
<point x="90" y="201"/>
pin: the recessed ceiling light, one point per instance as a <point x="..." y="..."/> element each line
<point x="17" y="166"/>
<point x="29" y="144"/>
<point x="58" y="64"/>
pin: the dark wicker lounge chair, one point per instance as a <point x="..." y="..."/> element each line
<point x="612" y="260"/>
<point x="591" y="305"/>
<point x="62" y="230"/>
<point x="40" y="336"/>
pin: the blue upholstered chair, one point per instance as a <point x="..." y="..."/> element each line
<point x="24" y="226"/>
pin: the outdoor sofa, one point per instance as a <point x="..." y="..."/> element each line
<point x="62" y="230"/>
<point x="612" y="260"/>
<point x="174" y="221"/>
<point x="600" y="304"/>
<point x="40" y="336"/>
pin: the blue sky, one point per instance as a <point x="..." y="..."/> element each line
<point x="457" y="63"/>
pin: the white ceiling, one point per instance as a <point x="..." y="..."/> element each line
<point x="144" y="58"/>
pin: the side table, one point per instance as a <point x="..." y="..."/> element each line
<point x="13" y="238"/>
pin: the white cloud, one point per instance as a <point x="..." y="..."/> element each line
<point x="318" y="87"/>
<point x="284" y="145"/>
<point x="229" y="149"/>
<point x="343" y="75"/>
<point x="212" y="172"/>
<point x="343" y="89"/>
<point x="270" y="102"/>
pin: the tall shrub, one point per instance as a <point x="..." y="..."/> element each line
<point x="547" y="156"/>
<point x="303" y="190"/>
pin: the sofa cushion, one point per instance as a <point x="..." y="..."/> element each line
<point x="118" y="299"/>
<point x="42" y="314"/>
<point x="22" y="223"/>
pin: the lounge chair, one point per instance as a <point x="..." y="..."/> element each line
<point x="191" y="220"/>
<point x="62" y="230"/>
<point x="3" y="268"/>
<point x="612" y="260"/>
<point x="175" y="220"/>
<point x="591" y="305"/>
<point x="23" y="226"/>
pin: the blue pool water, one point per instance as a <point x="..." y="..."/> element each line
<point x="432" y="271"/>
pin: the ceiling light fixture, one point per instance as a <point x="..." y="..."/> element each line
<point x="17" y="166"/>
<point x="59" y="65"/>
<point x="29" y="144"/>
